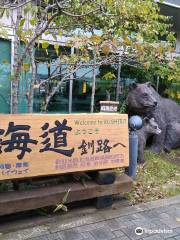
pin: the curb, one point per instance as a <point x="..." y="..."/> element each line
<point x="61" y="223"/>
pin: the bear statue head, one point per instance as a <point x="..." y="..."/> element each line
<point x="151" y="126"/>
<point x="142" y="97"/>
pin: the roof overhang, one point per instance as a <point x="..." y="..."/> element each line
<point x="171" y="3"/>
<point x="171" y="8"/>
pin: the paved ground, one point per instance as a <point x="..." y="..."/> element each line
<point x="159" y="220"/>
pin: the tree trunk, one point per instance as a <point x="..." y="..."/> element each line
<point x="93" y="85"/>
<point x="18" y="58"/>
<point x="16" y="71"/>
<point x="31" y="88"/>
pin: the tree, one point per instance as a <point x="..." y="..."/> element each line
<point x="129" y="27"/>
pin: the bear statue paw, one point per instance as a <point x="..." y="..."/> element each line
<point x="167" y="149"/>
<point x="141" y="161"/>
<point x="155" y="149"/>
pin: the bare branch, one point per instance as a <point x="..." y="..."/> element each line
<point x="57" y="88"/>
<point x="31" y="42"/>
<point x="14" y="5"/>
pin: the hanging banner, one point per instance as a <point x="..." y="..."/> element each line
<point x="43" y="144"/>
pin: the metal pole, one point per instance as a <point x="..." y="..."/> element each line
<point x="118" y="79"/>
<point x="157" y="84"/>
<point x="93" y="85"/>
<point x="71" y="87"/>
<point x="133" y="155"/>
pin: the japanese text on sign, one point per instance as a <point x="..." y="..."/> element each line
<point x="38" y="142"/>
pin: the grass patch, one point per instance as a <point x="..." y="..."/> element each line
<point x="158" y="178"/>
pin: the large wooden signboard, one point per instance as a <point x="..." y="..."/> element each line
<point x="37" y="144"/>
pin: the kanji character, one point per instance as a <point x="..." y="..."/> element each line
<point x="103" y="146"/>
<point x="83" y="147"/>
<point x="91" y="145"/>
<point x="59" y="137"/>
<point x="18" y="140"/>
<point x="1" y="133"/>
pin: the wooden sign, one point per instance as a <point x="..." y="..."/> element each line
<point x="37" y="144"/>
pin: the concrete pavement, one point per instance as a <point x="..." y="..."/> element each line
<point x="155" y="220"/>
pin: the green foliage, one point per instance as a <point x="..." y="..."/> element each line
<point x="105" y="69"/>
<point x="123" y="107"/>
<point x="42" y="211"/>
<point x="62" y="206"/>
<point x="6" y="186"/>
<point x="101" y="28"/>
<point x="109" y="76"/>
<point x="158" y="178"/>
<point x="138" y="23"/>
<point x="45" y="45"/>
<point x="139" y="73"/>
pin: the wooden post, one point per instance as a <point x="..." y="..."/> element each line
<point x="23" y="200"/>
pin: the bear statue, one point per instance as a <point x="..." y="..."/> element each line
<point x="149" y="128"/>
<point x="142" y="99"/>
<point x="172" y="138"/>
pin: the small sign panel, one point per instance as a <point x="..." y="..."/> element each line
<point x="109" y="106"/>
<point x="42" y="144"/>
